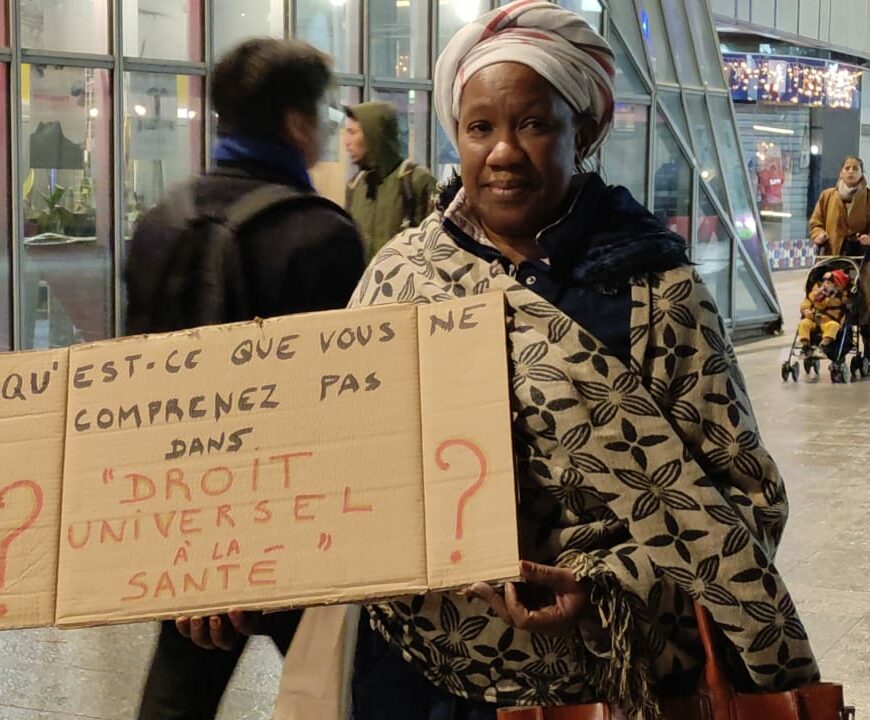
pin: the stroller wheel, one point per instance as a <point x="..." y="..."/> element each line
<point x="795" y="371"/>
<point x="808" y="365"/>
<point x="837" y="374"/>
<point x="865" y="366"/>
<point x="855" y="366"/>
<point x="785" y="371"/>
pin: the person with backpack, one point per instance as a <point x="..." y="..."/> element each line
<point x="388" y="194"/>
<point x="251" y="238"/>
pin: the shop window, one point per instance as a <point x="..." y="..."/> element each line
<point x="5" y="217"/>
<point x="628" y="80"/>
<point x="705" y="145"/>
<point x="672" y="182"/>
<point x="453" y="14"/>
<point x="333" y="28"/>
<point x="4" y="36"/>
<point x="169" y="30"/>
<point x="413" y="109"/>
<point x="66" y="253"/>
<point x="234" y="22"/>
<point x="333" y="171"/>
<point x="711" y="252"/>
<point x="652" y="27"/>
<point x="589" y="9"/>
<point x="681" y="43"/>
<point x="71" y="26"/>
<point x="626" y="150"/>
<point x="750" y="302"/>
<point x="706" y="41"/>
<point x="398" y="32"/>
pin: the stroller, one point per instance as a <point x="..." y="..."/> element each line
<point x="853" y="336"/>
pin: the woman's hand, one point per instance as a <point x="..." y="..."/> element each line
<point x="219" y="631"/>
<point x="864" y="239"/>
<point x="549" y="602"/>
<point x="821" y="238"/>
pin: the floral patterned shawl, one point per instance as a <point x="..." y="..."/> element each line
<point x="651" y="480"/>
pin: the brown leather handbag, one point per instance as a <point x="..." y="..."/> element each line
<point x="716" y="698"/>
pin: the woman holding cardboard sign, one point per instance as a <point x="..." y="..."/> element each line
<point x="637" y="492"/>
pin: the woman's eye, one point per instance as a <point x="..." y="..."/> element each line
<point x="478" y="128"/>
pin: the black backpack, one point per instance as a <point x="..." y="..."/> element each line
<point x="200" y="280"/>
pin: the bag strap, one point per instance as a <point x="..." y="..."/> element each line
<point x="717" y="685"/>
<point x="257" y="201"/>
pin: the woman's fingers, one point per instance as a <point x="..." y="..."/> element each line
<point x="486" y="592"/>
<point x="555" y="578"/>
<point x="208" y="633"/>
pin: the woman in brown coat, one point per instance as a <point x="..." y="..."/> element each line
<point x="841" y="220"/>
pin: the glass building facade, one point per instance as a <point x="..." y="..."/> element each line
<point x="103" y="107"/>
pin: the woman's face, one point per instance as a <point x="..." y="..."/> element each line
<point x="516" y="149"/>
<point x="851" y="172"/>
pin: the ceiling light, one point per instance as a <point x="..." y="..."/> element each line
<point x="774" y="130"/>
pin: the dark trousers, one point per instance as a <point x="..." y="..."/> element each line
<point x="186" y="682"/>
<point x="385" y="687"/>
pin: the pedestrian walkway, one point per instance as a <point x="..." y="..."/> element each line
<point x="816" y="431"/>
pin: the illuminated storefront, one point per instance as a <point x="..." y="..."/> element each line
<point x="798" y="118"/>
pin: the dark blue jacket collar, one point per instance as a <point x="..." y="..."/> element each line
<point x="605" y="237"/>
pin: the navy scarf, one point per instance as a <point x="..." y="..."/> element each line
<point x="284" y="158"/>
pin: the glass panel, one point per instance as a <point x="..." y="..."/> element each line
<point x="163" y="137"/>
<point x="334" y="169"/>
<point x="413" y="110"/>
<point x="771" y="179"/>
<point x="681" y="43"/>
<point x="706" y="42"/>
<point x="5" y="217"/>
<point x="623" y="16"/>
<point x="712" y="253"/>
<point x="168" y="30"/>
<point x="66" y="253"/>
<point x="70" y="26"/>
<point x="674" y="105"/>
<point x="446" y="156"/>
<point x="672" y="191"/>
<point x="626" y="149"/>
<point x="163" y="128"/>
<point x="258" y="18"/>
<point x="628" y="81"/>
<point x="334" y="28"/>
<point x="398" y="31"/>
<point x="4" y="37"/>
<point x="589" y="9"/>
<point x="652" y="26"/>
<point x="749" y="302"/>
<point x="705" y="145"/>
<point x="453" y="14"/>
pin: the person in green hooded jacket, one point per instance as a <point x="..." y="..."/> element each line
<point x="389" y="193"/>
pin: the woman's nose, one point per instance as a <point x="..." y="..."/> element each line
<point x="506" y="151"/>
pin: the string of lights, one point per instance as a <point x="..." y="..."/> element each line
<point x="763" y="78"/>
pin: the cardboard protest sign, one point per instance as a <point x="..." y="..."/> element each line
<point x="32" y="416"/>
<point x="295" y="461"/>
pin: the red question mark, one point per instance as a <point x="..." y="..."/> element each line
<point x="456" y="555"/>
<point x="9" y="537"/>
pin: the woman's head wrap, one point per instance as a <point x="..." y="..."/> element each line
<point x="556" y="43"/>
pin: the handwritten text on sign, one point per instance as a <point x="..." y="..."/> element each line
<point x="276" y="463"/>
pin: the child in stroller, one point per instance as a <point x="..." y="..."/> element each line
<point x="835" y="321"/>
<point x="824" y="310"/>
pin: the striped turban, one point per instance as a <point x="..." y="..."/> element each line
<point x="556" y="43"/>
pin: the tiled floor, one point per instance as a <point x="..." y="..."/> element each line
<point x="816" y="431"/>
